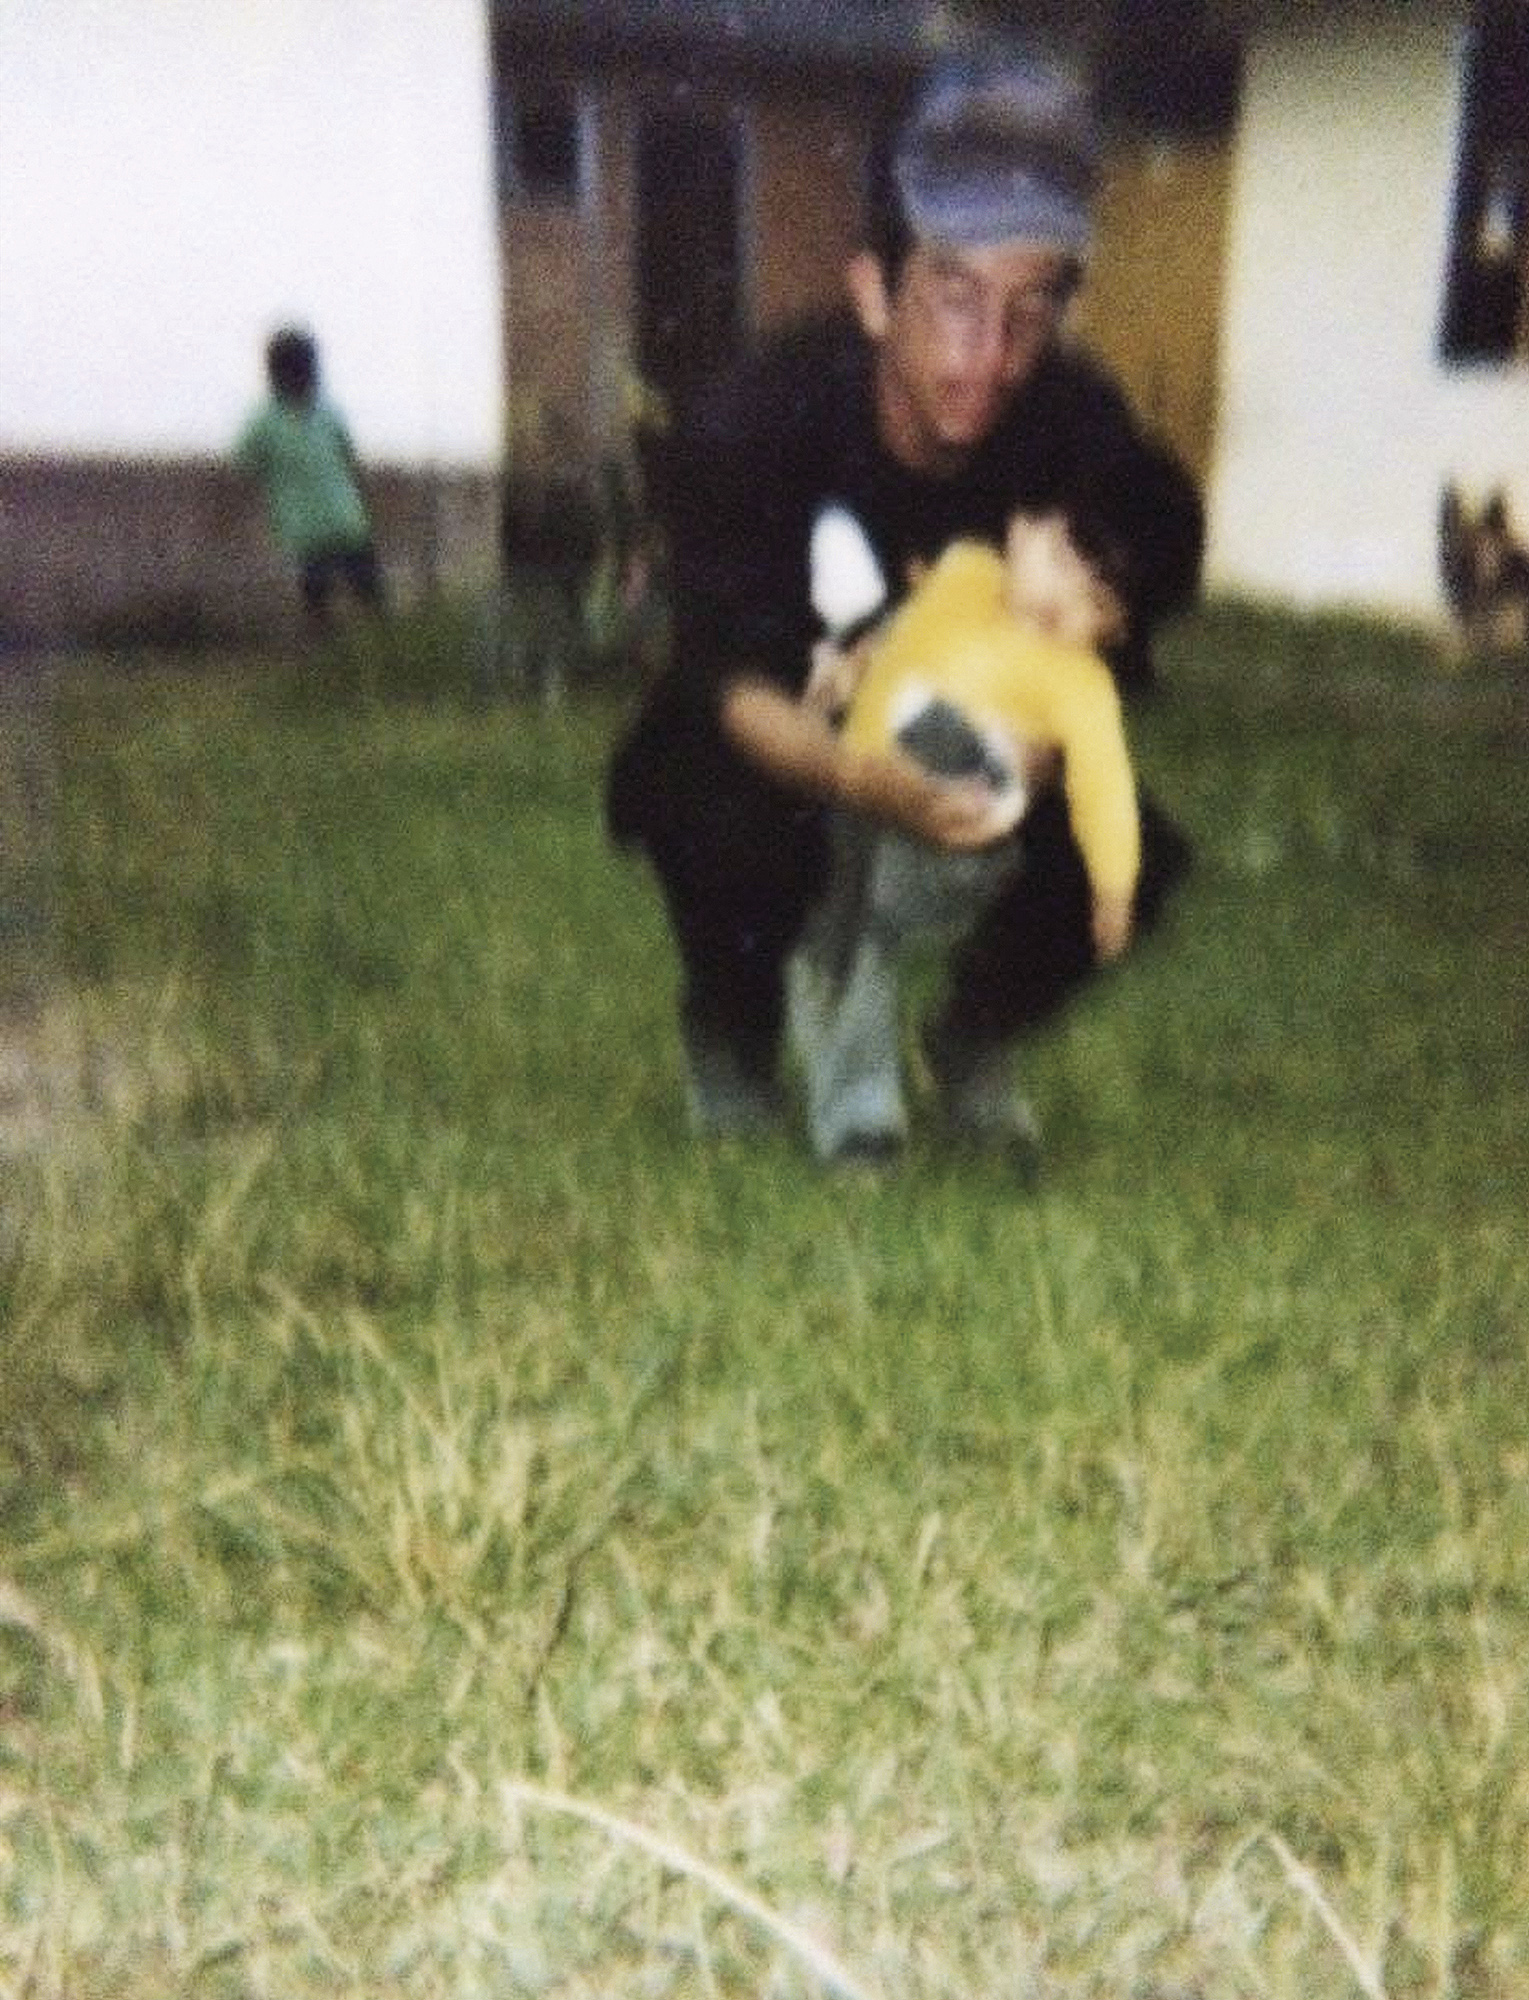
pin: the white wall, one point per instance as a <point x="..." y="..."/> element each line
<point x="178" y="176"/>
<point x="1338" y="423"/>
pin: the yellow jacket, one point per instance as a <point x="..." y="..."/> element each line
<point x="956" y="639"/>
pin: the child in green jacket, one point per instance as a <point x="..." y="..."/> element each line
<point x="297" y="445"/>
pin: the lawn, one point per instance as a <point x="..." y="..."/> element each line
<point x="458" y="1537"/>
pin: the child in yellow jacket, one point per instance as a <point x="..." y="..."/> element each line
<point x="1011" y="643"/>
<point x="991" y="668"/>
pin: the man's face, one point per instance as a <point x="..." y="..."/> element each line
<point x="959" y="333"/>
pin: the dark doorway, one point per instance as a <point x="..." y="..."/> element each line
<point x="688" y="265"/>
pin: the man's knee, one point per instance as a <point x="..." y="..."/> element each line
<point x="1166" y="858"/>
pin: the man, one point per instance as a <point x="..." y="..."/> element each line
<point x="941" y="406"/>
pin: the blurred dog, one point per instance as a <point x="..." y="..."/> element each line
<point x="1485" y="572"/>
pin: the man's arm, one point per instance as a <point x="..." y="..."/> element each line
<point x="797" y="747"/>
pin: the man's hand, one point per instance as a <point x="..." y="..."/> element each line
<point x="960" y="814"/>
<point x="798" y="747"/>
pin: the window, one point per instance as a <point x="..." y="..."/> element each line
<point x="1486" y="301"/>
<point x="537" y="143"/>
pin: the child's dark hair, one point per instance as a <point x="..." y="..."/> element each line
<point x="1106" y="537"/>
<point x="292" y="362"/>
<point x="1120" y="527"/>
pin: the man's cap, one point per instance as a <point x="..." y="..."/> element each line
<point x="998" y="150"/>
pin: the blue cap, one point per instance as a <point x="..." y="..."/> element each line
<point x="998" y="150"/>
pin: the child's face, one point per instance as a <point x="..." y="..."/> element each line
<point x="296" y="392"/>
<point x="1050" y="585"/>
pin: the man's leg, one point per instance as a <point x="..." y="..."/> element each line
<point x="737" y="877"/>
<point x="1029" y="950"/>
<point x="732" y="1006"/>
<point x="1024" y="961"/>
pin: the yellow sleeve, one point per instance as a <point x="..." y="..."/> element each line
<point x="1097" y="775"/>
<point x="954" y="639"/>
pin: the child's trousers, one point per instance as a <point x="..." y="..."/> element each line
<point x="885" y="893"/>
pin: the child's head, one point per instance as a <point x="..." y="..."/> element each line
<point x="292" y="364"/>
<point x="1055" y="584"/>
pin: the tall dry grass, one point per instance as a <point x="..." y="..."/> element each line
<point x="459" y="1538"/>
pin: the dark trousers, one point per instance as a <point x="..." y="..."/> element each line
<point x="357" y="568"/>
<point x="737" y="892"/>
<point x="1033" y="946"/>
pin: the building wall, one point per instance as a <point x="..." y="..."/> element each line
<point x="569" y="274"/>
<point x="180" y="179"/>
<point x="1338" y="422"/>
<point x="549" y="324"/>
<point x="173" y="550"/>
<point x="1151" y="302"/>
<point x="808" y="172"/>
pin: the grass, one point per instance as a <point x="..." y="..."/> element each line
<point x="457" y="1538"/>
